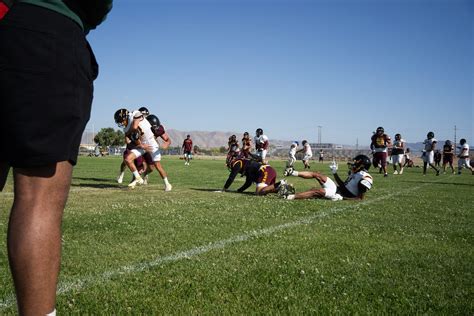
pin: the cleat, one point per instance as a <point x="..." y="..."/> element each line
<point x="138" y="181"/>
<point x="120" y="179"/>
<point x="395" y="172"/>
<point x="168" y="188"/>
<point x="288" y="171"/>
<point x="145" y="180"/>
<point x="437" y="172"/>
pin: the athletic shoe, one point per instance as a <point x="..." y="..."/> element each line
<point x="283" y="190"/>
<point x="168" y="188"/>
<point x="401" y="172"/>
<point x="145" y="180"/>
<point x="395" y="172"/>
<point x="437" y="172"/>
<point x="288" y="171"/>
<point x="138" y="181"/>
<point x="120" y="178"/>
<point x="385" y="175"/>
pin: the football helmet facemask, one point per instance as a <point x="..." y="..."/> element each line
<point x="144" y="111"/>
<point x="121" y="117"/>
<point x="380" y="130"/>
<point x="360" y="162"/>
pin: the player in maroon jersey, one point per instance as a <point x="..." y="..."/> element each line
<point x="448" y="155"/>
<point x="187" y="149"/>
<point x="379" y="145"/>
<point x="246" y="145"/>
<point x="263" y="175"/>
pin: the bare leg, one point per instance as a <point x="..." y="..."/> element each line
<point x="130" y="162"/>
<point x="160" y="169"/>
<point x="321" y="178"/>
<point x="266" y="190"/>
<point x="311" y="194"/>
<point x="34" y="235"/>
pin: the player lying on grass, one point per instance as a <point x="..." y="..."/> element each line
<point x="263" y="175"/>
<point x="353" y="188"/>
<point x="145" y="144"/>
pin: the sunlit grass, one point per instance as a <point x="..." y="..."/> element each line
<point x="406" y="249"/>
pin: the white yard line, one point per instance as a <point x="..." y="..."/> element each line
<point x="86" y="282"/>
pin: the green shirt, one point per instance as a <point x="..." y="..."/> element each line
<point x="60" y="7"/>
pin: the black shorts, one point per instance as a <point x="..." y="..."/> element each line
<point x="46" y="84"/>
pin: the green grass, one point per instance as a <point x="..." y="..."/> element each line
<point x="406" y="249"/>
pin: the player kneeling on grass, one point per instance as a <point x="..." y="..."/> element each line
<point x="263" y="175"/>
<point x="353" y="188"/>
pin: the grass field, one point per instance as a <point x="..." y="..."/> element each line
<point x="406" y="249"/>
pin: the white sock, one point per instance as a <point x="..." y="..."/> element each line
<point x="166" y="181"/>
<point x="121" y="174"/>
<point x="136" y="174"/>
<point x="295" y="173"/>
<point x="53" y="313"/>
<point x="290" y="197"/>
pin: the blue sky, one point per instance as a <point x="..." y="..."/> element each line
<point x="291" y="66"/>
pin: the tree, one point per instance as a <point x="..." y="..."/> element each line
<point x="109" y="137"/>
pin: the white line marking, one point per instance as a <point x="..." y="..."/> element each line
<point x="84" y="283"/>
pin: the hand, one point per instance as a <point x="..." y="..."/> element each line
<point x="333" y="166"/>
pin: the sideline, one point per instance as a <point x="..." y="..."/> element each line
<point x="84" y="283"/>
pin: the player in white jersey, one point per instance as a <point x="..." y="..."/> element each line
<point x="292" y="154"/>
<point x="428" y="153"/>
<point x="463" y="156"/>
<point x="308" y="153"/>
<point x="398" y="151"/>
<point x="353" y="188"/>
<point x="135" y="123"/>
<point x="261" y="145"/>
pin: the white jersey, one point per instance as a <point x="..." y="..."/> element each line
<point x="260" y="141"/>
<point x="464" y="151"/>
<point x="292" y="151"/>
<point x="429" y="144"/>
<point x="307" y="150"/>
<point x="146" y="134"/>
<point x="362" y="177"/>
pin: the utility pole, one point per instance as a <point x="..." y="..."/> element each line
<point x="455" y="141"/>
<point x="319" y="134"/>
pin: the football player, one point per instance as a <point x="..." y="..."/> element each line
<point x="187" y="149"/>
<point x="165" y="141"/>
<point x="353" y="188"/>
<point x="146" y="143"/>
<point x="246" y="145"/>
<point x="308" y="153"/>
<point x="261" y="145"/>
<point x="428" y="153"/>
<point x="263" y="175"/>
<point x="292" y="154"/>
<point x="464" y="157"/>
<point x="448" y="155"/>
<point x="233" y="149"/>
<point x="379" y="146"/>
<point x="398" y="151"/>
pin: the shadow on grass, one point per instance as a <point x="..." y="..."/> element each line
<point x="214" y="190"/>
<point x="436" y="182"/>
<point x="94" y="179"/>
<point x="98" y="186"/>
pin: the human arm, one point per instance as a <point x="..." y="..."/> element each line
<point x="233" y="173"/>
<point x="166" y="140"/>
<point x="246" y="185"/>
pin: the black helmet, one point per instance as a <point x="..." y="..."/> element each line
<point x="448" y="143"/>
<point x="361" y="162"/>
<point x="144" y="111"/>
<point x="462" y="141"/>
<point x="380" y="129"/>
<point x="398" y="136"/>
<point x="121" y="117"/>
<point x="154" y="120"/>
<point x="259" y="131"/>
<point x="430" y="135"/>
